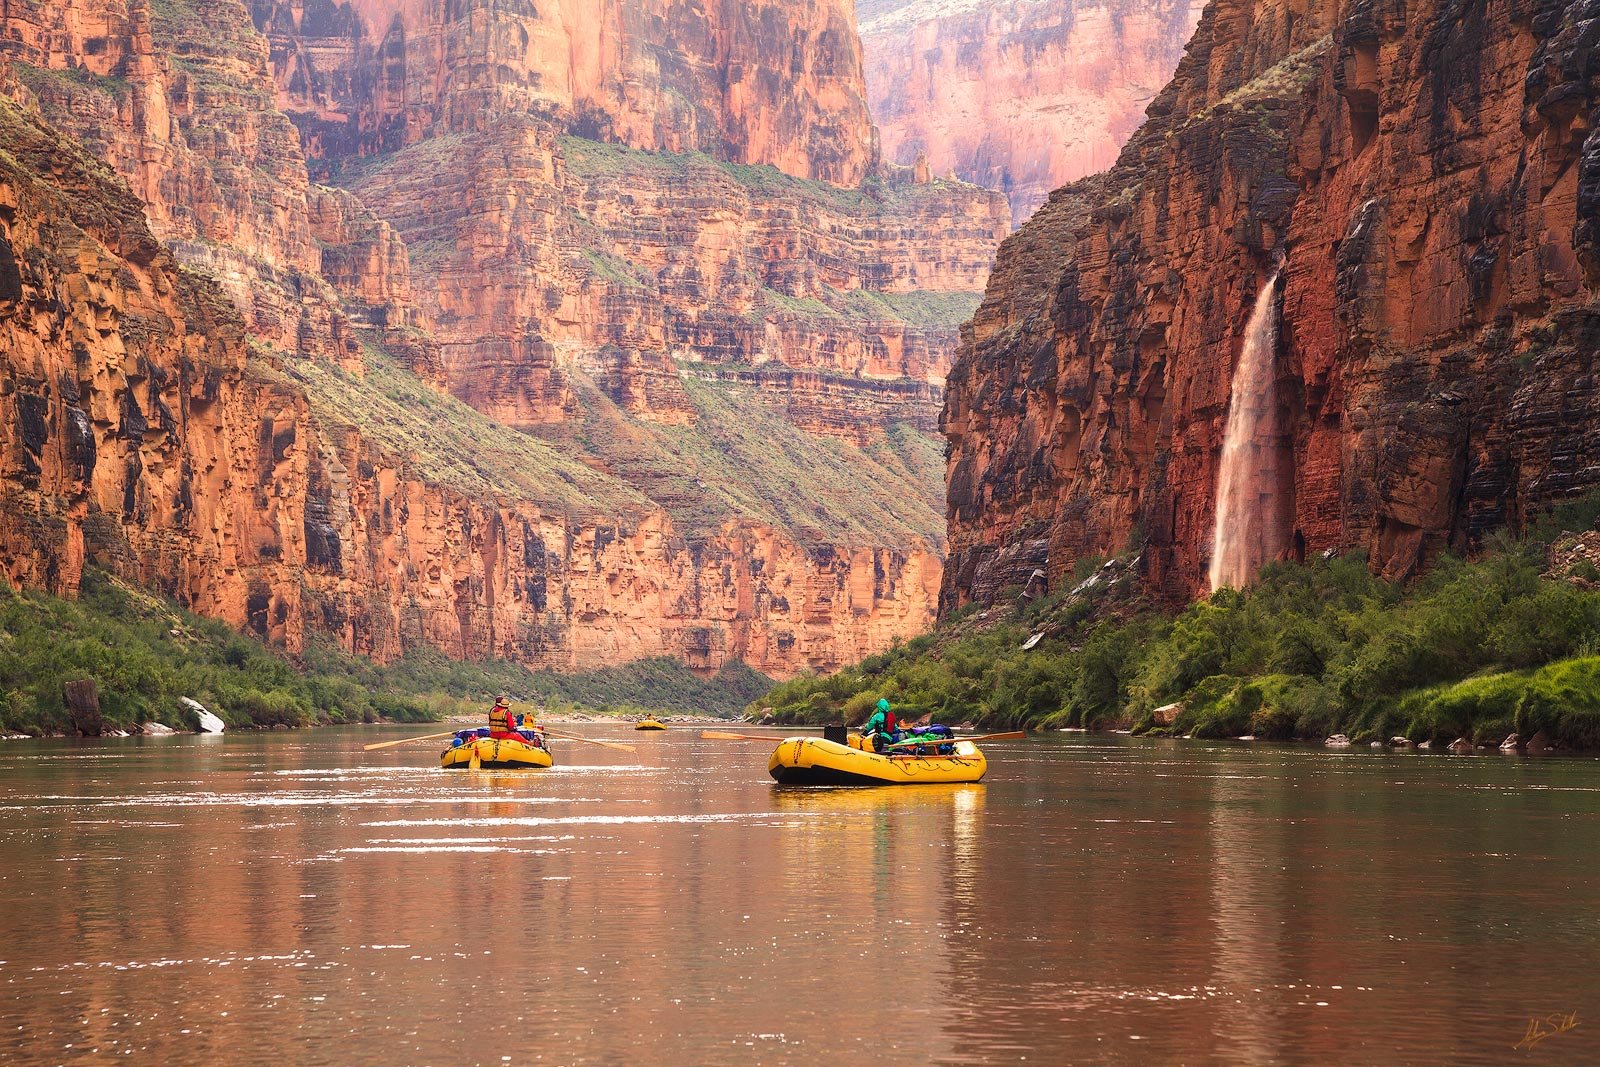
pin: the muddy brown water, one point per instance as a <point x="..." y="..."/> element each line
<point x="286" y="897"/>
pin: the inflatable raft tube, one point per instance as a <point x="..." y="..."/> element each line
<point x="814" y="761"/>
<point x="492" y="754"/>
<point x="649" y="724"/>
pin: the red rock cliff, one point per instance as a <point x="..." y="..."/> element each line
<point x="1430" y="176"/>
<point x="138" y="434"/>
<point x="751" y="81"/>
<point x="1017" y="95"/>
<point x="734" y="371"/>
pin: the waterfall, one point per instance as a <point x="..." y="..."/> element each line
<point x="1248" y="532"/>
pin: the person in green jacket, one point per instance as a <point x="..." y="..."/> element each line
<point x="880" y="728"/>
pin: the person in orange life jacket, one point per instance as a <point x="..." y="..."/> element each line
<point x="532" y="732"/>
<point x="502" y="723"/>
<point x="881" y="729"/>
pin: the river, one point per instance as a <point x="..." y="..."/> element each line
<point x="286" y="897"/>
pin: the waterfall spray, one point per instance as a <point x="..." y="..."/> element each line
<point x="1246" y="534"/>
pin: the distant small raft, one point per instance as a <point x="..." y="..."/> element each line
<point x="496" y="754"/>
<point x="649" y="724"/>
<point x="814" y="761"/>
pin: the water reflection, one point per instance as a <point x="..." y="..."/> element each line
<point x="1095" y="900"/>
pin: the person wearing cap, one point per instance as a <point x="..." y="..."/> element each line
<point x="502" y="723"/>
<point x="880" y="728"/>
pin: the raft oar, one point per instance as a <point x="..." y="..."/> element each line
<point x="1013" y="735"/>
<point x="719" y="735"/>
<point x="591" y="741"/>
<point x="407" y="740"/>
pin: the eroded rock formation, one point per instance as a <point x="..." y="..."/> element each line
<point x="1430" y="175"/>
<point x="1017" y="95"/>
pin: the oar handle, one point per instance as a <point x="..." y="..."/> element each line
<point x="1010" y="735"/>
<point x="720" y="735"/>
<point x="407" y="740"/>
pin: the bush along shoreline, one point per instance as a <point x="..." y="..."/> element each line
<point x="145" y="654"/>
<point x="1469" y="652"/>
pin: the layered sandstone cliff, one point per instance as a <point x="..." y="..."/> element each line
<point x="733" y="371"/>
<point x="137" y="433"/>
<point x="1427" y="175"/>
<point x="1017" y="95"/>
<point x="557" y="234"/>
<point x="758" y="81"/>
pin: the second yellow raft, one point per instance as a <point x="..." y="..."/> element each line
<point x="649" y="724"/>
<point x="491" y="753"/>
<point x="814" y="761"/>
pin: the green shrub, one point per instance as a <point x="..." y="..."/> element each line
<point x="1563" y="700"/>
<point x="1482" y="705"/>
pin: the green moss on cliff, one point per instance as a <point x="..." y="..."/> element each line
<point x="439" y="439"/>
<point x="742" y="459"/>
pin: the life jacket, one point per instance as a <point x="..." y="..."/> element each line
<point x="500" y="719"/>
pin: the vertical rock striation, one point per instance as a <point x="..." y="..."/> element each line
<point x="1017" y="95"/>
<point x="1427" y="171"/>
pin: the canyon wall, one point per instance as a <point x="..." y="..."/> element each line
<point x="555" y="232"/>
<point x="1017" y="95"/>
<point x="138" y="433"/>
<point x="701" y="331"/>
<point x="751" y="81"/>
<point x="1428" y="175"/>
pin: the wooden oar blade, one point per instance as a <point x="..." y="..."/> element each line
<point x="592" y="741"/>
<point x="407" y="740"/>
<point x="722" y="735"/>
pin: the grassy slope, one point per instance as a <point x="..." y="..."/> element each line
<point x="439" y="439"/>
<point x="742" y="459"/>
<point x="1473" y="650"/>
<point x="145" y="652"/>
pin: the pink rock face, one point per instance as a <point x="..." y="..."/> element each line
<point x="1430" y="178"/>
<point x="1021" y="96"/>
<point x="758" y="81"/>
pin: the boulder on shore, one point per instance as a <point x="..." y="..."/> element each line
<point x="1538" y="743"/>
<point x="1512" y="743"/>
<point x="1461" y="746"/>
<point x="1167" y="714"/>
<point x="1337" y="741"/>
<point x="156" y="729"/>
<point x="1400" y="742"/>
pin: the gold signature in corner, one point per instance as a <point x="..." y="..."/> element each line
<point x="1548" y="1026"/>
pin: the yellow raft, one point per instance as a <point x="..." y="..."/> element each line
<point x="649" y="724"/>
<point x="815" y="761"/>
<point x="488" y="752"/>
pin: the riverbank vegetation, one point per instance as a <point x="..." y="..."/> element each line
<point x="145" y="654"/>
<point x="1475" y="650"/>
